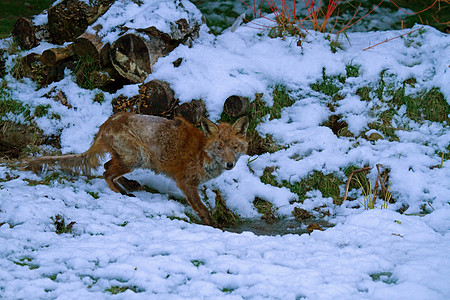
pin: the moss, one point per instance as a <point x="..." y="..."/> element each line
<point x="27" y="261"/>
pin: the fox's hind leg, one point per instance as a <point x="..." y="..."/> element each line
<point x="114" y="169"/>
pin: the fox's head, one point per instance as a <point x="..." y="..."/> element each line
<point x="225" y="143"/>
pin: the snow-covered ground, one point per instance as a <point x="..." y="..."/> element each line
<point x="139" y="244"/>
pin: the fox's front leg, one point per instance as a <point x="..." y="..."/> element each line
<point x="191" y="193"/>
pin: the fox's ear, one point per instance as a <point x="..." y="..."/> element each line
<point x="241" y="125"/>
<point x="209" y="128"/>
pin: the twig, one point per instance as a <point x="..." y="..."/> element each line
<point x="417" y="12"/>
<point x="388" y="40"/>
<point x="350" y="178"/>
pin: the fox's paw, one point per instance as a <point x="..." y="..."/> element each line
<point x="129" y="184"/>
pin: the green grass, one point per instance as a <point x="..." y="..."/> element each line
<point x="122" y="289"/>
<point x="328" y="85"/>
<point x="221" y="215"/>
<point x="93" y="194"/>
<point x="429" y="105"/>
<point x="328" y="184"/>
<point x="27" y="261"/>
<point x="49" y="179"/>
<point x="86" y="69"/>
<point x="352" y="70"/>
<point x="11" y="10"/>
<point x="385" y="277"/>
<point x="197" y="263"/>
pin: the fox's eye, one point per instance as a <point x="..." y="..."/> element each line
<point x="235" y="148"/>
<point x="218" y="147"/>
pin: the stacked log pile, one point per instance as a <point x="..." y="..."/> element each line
<point x="129" y="59"/>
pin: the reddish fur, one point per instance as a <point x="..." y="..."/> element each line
<point x="173" y="147"/>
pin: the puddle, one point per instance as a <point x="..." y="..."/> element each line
<point x="279" y="227"/>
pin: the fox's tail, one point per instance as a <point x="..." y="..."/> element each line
<point x="75" y="163"/>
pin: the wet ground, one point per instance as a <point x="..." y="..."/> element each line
<point x="280" y="227"/>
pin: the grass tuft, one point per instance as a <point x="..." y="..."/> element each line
<point x="328" y="184"/>
<point x="60" y="225"/>
<point x="122" y="289"/>
<point x="328" y="85"/>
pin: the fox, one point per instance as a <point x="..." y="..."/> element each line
<point x="173" y="147"/>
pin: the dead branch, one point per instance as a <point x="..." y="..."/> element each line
<point x="365" y="169"/>
<point x="388" y="40"/>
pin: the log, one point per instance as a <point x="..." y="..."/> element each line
<point x="192" y="111"/>
<point x="69" y="18"/>
<point x="54" y="56"/>
<point x="31" y="66"/>
<point x="89" y="45"/>
<point x="236" y="106"/>
<point x="25" y="65"/>
<point x="24" y="33"/>
<point x="133" y="56"/>
<point x="156" y="98"/>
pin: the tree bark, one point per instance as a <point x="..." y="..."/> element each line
<point x="54" y="56"/>
<point x="70" y="18"/>
<point x="24" y="33"/>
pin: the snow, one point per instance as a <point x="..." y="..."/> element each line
<point x="142" y="243"/>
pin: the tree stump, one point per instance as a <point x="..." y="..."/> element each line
<point x="192" y="111"/>
<point x="156" y="98"/>
<point x="236" y="106"/>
